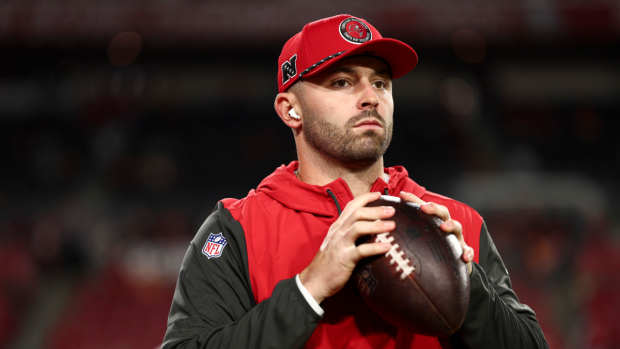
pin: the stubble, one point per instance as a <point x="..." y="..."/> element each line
<point x="343" y="143"/>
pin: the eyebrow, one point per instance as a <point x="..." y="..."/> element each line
<point x="348" y="70"/>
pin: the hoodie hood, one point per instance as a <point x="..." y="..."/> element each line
<point x="327" y="200"/>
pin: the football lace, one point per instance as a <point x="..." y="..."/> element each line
<point x="396" y="257"/>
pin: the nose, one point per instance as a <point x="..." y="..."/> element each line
<point x="368" y="98"/>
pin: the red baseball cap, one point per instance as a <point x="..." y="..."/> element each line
<point x="326" y="41"/>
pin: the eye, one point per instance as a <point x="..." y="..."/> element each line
<point x="381" y="84"/>
<point x="341" y="83"/>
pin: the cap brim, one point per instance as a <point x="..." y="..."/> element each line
<point x="401" y="57"/>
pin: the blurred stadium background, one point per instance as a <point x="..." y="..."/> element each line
<point x="123" y="122"/>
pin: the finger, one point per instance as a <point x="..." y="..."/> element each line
<point x="435" y="209"/>
<point x="356" y="210"/>
<point x="345" y="216"/>
<point x="430" y="208"/>
<point x="411" y="198"/>
<point x="356" y="230"/>
<point x="361" y="228"/>
<point x="372" y="249"/>
<point x="372" y="213"/>
<point x="468" y="253"/>
<point x="359" y="201"/>
<point x="452" y="226"/>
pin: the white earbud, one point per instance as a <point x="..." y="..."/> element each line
<point x="292" y="113"/>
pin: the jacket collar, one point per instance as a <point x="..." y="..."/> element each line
<point x="283" y="186"/>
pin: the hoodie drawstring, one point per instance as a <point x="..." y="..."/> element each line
<point x="333" y="196"/>
<point x="335" y="201"/>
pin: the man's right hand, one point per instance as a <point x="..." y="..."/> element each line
<point x="333" y="265"/>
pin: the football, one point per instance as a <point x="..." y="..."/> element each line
<point x="421" y="283"/>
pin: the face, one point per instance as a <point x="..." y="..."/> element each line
<point x="348" y="110"/>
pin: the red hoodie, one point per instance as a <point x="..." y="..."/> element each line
<point x="285" y="221"/>
<point x="237" y="286"/>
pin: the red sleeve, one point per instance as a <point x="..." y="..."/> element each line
<point x="464" y="214"/>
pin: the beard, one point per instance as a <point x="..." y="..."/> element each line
<point x="344" y="144"/>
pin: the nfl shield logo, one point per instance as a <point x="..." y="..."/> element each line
<point x="214" y="245"/>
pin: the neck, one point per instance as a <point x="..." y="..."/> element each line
<point x="320" y="170"/>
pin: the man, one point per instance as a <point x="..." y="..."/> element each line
<point x="271" y="270"/>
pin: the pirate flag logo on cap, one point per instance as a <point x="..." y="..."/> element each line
<point x="355" y="31"/>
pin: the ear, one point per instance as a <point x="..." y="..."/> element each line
<point x="284" y="102"/>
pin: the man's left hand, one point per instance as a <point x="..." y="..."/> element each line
<point x="449" y="225"/>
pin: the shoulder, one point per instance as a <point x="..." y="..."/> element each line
<point x="219" y="220"/>
<point x="241" y="217"/>
<point x="220" y="235"/>
<point x="255" y="203"/>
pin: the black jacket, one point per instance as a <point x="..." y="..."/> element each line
<point x="247" y="296"/>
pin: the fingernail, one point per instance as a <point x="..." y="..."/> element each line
<point x="388" y="209"/>
<point x="470" y="254"/>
